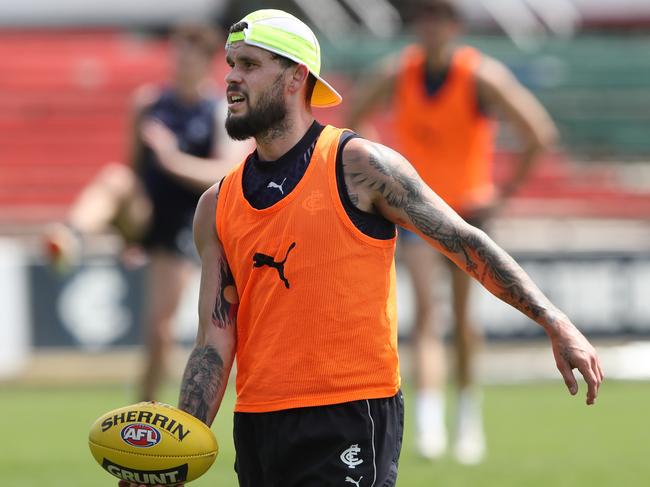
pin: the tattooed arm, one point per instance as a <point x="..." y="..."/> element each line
<point x="209" y="364"/>
<point x="380" y="180"/>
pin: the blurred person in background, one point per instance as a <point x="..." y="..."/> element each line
<point x="443" y="98"/>
<point x="179" y="148"/>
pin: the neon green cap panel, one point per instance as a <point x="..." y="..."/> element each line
<point x="283" y="34"/>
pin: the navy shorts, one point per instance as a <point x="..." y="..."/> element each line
<point x="173" y="206"/>
<point x="355" y="443"/>
<point x="171" y="231"/>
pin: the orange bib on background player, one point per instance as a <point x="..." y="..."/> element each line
<point x="317" y="320"/>
<point x="444" y="136"/>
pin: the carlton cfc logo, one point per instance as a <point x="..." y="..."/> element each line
<point x="140" y="435"/>
<point x="349" y="457"/>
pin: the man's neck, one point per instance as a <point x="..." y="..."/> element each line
<point x="190" y="91"/>
<point x="439" y="59"/>
<point x="275" y="143"/>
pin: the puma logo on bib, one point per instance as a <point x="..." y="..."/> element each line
<point x="260" y="260"/>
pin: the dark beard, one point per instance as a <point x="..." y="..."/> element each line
<point x="267" y="116"/>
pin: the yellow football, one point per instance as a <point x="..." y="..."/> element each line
<point x="152" y="443"/>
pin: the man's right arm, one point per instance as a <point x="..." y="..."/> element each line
<point x="207" y="370"/>
<point x="504" y="96"/>
<point x="208" y="367"/>
<point x="143" y="98"/>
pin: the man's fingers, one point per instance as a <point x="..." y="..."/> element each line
<point x="126" y="483"/>
<point x="600" y="370"/>
<point x="592" y="381"/>
<point x="572" y="350"/>
<point x="567" y="374"/>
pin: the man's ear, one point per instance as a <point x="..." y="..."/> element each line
<point x="298" y="78"/>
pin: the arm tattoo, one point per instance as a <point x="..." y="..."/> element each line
<point x="202" y="380"/>
<point x="224" y="313"/>
<point x="482" y="258"/>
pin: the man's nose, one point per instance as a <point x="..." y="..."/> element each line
<point x="233" y="76"/>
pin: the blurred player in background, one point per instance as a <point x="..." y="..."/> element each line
<point x="298" y="279"/>
<point x="443" y="98"/>
<point x="179" y="148"/>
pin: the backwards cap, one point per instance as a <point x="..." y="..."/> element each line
<point x="285" y="35"/>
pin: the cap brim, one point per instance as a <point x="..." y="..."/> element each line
<point x="324" y="94"/>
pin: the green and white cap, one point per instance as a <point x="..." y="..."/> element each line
<point x="285" y="35"/>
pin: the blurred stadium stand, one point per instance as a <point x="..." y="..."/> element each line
<point x="64" y="98"/>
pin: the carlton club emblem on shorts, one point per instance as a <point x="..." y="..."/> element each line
<point x="349" y="456"/>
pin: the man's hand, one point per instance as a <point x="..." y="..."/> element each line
<point x="125" y="483"/>
<point x="161" y="140"/>
<point x="573" y="351"/>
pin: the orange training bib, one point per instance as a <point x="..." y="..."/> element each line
<point x="317" y="322"/>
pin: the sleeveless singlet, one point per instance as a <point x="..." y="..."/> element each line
<point x="445" y="136"/>
<point x="317" y="321"/>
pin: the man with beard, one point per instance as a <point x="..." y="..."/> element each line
<point x="298" y="277"/>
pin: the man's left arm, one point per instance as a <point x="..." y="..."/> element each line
<point x="196" y="172"/>
<point x="502" y="95"/>
<point x="381" y="180"/>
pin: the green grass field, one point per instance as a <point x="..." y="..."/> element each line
<point x="537" y="436"/>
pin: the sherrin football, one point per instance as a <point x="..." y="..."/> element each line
<point x="152" y="443"/>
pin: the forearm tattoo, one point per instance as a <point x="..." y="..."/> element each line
<point x="201" y="383"/>
<point x="401" y="188"/>
<point x="224" y="313"/>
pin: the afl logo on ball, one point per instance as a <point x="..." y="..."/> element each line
<point x="140" y="435"/>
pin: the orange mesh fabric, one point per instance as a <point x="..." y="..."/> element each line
<point x="317" y="321"/>
<point x="444" y="136"/>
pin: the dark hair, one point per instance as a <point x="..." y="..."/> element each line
<point x="311" y="83"/>
<point x="238" y="27"/>
<point x="285" y="62"/>
<point x="445" y="9"/>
